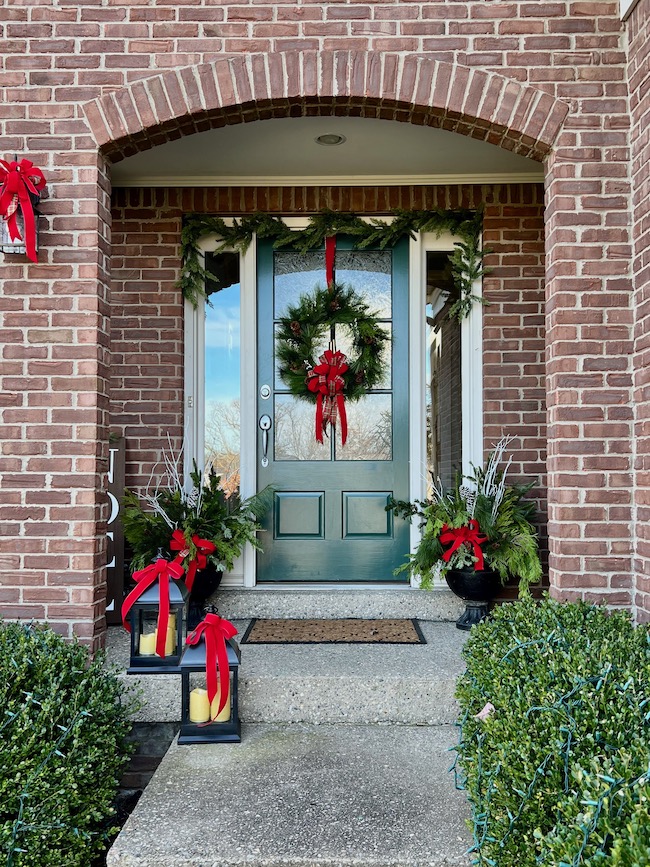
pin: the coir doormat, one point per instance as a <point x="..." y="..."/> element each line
<point x="345" y="631"/>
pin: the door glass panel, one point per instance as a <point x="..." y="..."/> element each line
<point x="319" y="349"/>
<point x="295" y="274"/>
<point x="344" y="339"/>
<point x="369" y="274"/>
<point x="370" y="425"/>
<point x="294" y="431"/>
<point x="222" y="365"/>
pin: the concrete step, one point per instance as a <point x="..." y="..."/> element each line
<point x="438" y="604"/>
<point x="326" y="683"/>
<point x="303" y="796"/>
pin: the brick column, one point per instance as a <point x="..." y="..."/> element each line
<point x="589" y="360"/>
<point x="53" y="398"/>
<point x="639" y="62"/>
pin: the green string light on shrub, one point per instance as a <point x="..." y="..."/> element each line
<point x="561" y="782"/>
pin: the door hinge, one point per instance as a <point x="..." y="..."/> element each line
<point x="190" y="401"/>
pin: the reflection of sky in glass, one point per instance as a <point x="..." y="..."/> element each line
<point x="222" y="345"/>
<point x="367" y="272"/>
<point x="290" y="287"/>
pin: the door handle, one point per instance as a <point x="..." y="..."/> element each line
<point x="265" y="426"/>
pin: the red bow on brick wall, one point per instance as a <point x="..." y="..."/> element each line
<point x="17" y="181"/>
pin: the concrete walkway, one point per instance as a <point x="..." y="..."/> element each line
<point x="303" y="796"/>
<point x="345" y="752"/>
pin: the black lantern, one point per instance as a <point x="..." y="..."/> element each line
<point x="197" y="725"/>
<point x="143" y="618"/>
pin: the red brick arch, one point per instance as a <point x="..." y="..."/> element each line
<point x="414" y="88"/>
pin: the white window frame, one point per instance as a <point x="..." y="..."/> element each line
<point x="627" y="6"/>
<point x="244" y="573"/>
<point x="471" y="343"/>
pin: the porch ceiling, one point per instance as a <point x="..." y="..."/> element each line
<point x="281" y="151"/>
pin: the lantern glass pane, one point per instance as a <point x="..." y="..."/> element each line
<point x="199" y="707"/>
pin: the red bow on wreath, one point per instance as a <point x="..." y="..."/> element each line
<point x="203" y="548"/>
<point x="215" y="630"/>
<point x="17" y="181"/>
<point x="469" y="535"/>
<point x="162" y="570"/>
<point x="326" y="381"/>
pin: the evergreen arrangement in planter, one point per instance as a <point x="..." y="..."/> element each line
<point x="555" y="737"/>
<point x="197" y="525"/>
<point x="479" y="524"/>
<point x="63" y="729"/>
<point x="201" y="511"/>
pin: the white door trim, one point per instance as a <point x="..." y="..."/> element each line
<point x="471" y="373"/>
<point x="471" y="376"/>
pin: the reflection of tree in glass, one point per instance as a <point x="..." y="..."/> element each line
<point x="295" y="438"/>
<point x="369" y="430"/>
<point x="222" y="426"/>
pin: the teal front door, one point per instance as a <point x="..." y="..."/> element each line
<point x="328" y="522"/>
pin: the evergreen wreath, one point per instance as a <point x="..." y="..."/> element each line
<point x="306" y="324"/>
<point x="466" y="258"/>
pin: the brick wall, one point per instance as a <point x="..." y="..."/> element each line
<point x="122" y="76"/>
<point x="639" y="70"/>
<point x="146" y="333"/>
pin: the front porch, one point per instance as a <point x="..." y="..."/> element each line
<point x="345" y="749"/>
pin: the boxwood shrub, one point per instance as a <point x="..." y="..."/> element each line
<point x="558" y="773"/>
<point x="63" y="724"/>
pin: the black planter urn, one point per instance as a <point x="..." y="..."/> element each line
<point x="476" y="588"/>
<point x="206" y="581"/>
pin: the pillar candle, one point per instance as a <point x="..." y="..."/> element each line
<point x="224" y="716"/>
<point x="147" y="644"/>
<point x="170" y="644"/>
<point x="199" y="706"/>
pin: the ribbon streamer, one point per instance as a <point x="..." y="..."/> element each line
<point x="162" y="570"/>
<point x="17" y="180"/>
<point x="326" y="381"/>
<point x="330" y="254"/>
<point x="215" y="630"/>
<point x="200" y="561"/>
<point x="469" y="535"/>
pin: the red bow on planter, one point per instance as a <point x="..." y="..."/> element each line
<point x="326" y="381"/>
<point x="215" y="630"/>
<point x="162" y="570"/>
<point x="457" y="536"/>
<point x="203" y="548"/>
<point x="17" y="181"/>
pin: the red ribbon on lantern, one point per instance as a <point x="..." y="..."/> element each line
<point x="162" y="570"/>
<point x="326" y="381"/>
<point x="215" y="630"/>
<point x="17" y="180"/>
<point x="203" y="548"/>
<point x="469" y="535"/>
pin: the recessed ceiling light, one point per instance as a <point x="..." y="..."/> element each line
<point x="330" y="138"/>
